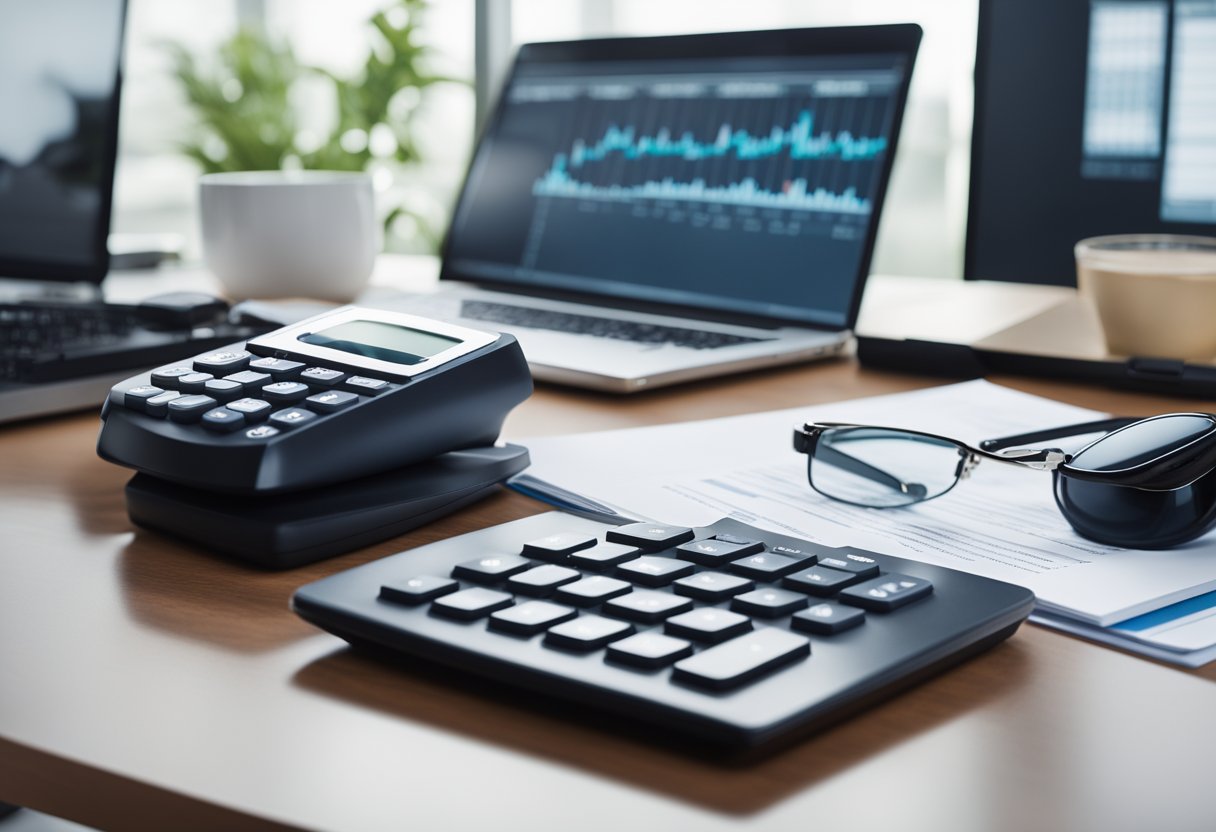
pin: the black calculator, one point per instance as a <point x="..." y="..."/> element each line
<point x="343" y="395"/>
<point x="726" y="633"/>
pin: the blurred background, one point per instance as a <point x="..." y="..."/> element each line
<point x="397" y="87"/>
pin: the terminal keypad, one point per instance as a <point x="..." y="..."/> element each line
<point x="233" y="395"/>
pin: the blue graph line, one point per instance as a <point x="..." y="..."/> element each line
<point x="799" y="139"/>
<point x="793" y="196"/>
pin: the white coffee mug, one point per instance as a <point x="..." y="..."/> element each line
<point x="306" y="234"/>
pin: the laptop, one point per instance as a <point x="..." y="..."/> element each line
<point x="646" y="211"/>
<point x="62" y="345"/>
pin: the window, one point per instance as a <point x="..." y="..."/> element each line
<point x="925" y="211"/>
<point x="156" y="186"/>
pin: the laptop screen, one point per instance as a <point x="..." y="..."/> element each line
<point x="747" y="179"/>
<point x="59" y="71"/>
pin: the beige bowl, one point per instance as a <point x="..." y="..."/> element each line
<point x="1155" y="293"/>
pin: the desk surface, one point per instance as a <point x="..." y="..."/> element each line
<point x="147" y="684"/>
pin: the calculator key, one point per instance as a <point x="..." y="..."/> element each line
<point x="886" y="593"/>
<point x="292" y="418"/>
<point x="587" y="632"/>
<point x="366" y="386"/>
<point x="491" y="568"/>
<point x="826" y="619"/>
<point x="595" y="589"/>
<point x="742" y="659"/>
<point x="555" y="547"/>
<point x="765" y="566"/>
<point x="712" y="586"/>
<point x="746" y="545"/>
<point x="284" y="392"/>
<point x="193" y="382"/>
<point x="158" y="406"/>
<point x="862" y="566"/>
<point x="768" y="603"/>
<point x="223" y="420"/>
<point x="819" y="581"/>
<point x="166" y="378"/>
<point x="187" y="409"/>
<point x="530" y="617"/>
<point x="711" y="552"/>
<point x="137" y="397"/>
<point x="331" y="401"/>
<point x="650" y="537"/>
<point x="222" y="363"/>
<point x="708" y="624"/>
<point x="117" y="396"/>
<point x="262" y="432"/>
<point x="249" y="380"/>
<point x="603" y="555"/>
<point x="322" y="376"/>
<point x="647" y="606"/>
<point x="418" y="590"/>
<point x="255" y="410"/>
<point x="470" y="604"/>
<point x="542" y="580"/>
<point x="648" y="650"/>
<point x="280" y="369"/>
<point x="806" y="557"/>
<point x="222" y="390"/>
<point x="650" y="570"/>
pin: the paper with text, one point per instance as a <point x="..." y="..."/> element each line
<point x="1002" y="522"/>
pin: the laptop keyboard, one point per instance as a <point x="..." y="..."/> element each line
<point x="59" y="341"/>
<point x="728" y="633"/>
<point x="616" y="328"/>
<point x="31" y="333"/>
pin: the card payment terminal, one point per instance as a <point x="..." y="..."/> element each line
<point x="313" y="411"/>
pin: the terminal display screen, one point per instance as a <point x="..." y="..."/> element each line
<point x="382" y="341"/>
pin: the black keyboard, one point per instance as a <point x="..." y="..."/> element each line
<point x="616" y="328"/>
<point x="727" y="633"/>
<point x="31" y="334"/>
<point x="56" y="341"/>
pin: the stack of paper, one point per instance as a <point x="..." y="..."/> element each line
<point x="1001" y="523"/>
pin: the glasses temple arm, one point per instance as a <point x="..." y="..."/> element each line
<point x="1035" y="437"/>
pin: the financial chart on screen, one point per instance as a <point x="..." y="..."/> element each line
<point x="747" y="184"/>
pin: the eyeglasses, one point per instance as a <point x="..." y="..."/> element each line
<point x="1145" y="484"/>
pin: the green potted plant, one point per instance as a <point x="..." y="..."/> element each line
<point x="245" y="119"/>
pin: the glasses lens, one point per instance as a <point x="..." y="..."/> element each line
<point x="1142" y="442"/>
<point x="882" y="468"/>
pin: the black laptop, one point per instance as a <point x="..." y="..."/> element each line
<point x="643" y="211"/>
<point x="61" y="345"/>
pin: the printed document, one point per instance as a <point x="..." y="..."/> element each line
<point x="1183" y="633"/>
<point x="1001" y="522"/>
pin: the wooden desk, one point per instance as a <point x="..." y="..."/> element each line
<point x="147" y="684"/>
